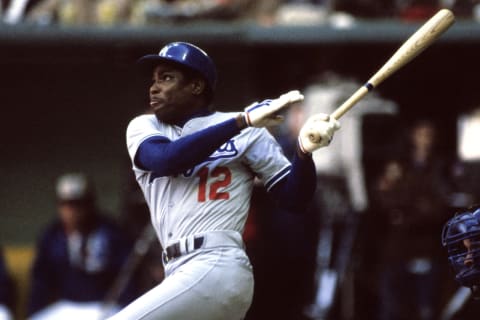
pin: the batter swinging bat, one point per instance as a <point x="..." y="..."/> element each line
<point x="414" y="45"/>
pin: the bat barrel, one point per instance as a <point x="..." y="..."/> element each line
<point x="414" y="45"/>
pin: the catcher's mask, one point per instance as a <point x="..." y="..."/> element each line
<point x="461" y="237"/>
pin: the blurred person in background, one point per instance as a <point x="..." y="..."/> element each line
<point x="141" y="12"/>
<point x="79" y="12"/>
<point x="367" y="8"/>
<point x="341" y="197"/>
<point x="341" y="171"/>
<point x="78" y="257"/>
<point x="165" y="11"/>
<point x="411" y="201"/>
<point x="14" y="11"/>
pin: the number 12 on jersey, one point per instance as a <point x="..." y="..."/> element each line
<point x="211" y="181"/>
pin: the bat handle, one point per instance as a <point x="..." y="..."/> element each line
<point x="350" y="102"/>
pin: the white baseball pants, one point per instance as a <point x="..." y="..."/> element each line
<point x="214" y="282"/>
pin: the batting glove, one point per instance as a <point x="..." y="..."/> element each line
<point x="265" y="113"/>
<point x="317" y="132"/>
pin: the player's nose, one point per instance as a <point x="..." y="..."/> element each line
<point x="154" y="88"/>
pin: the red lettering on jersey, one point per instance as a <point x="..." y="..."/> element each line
<point x="202" y="184"/>
<point x="224" y="176"/>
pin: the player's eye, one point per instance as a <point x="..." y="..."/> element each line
<point x="162" y="77"/>
<point x="167" y="77"/>
<point x="457" y="249"/>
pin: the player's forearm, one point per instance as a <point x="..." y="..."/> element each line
<point x="166" y="157"/>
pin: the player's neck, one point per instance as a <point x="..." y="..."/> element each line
<point x="198" y="113"/>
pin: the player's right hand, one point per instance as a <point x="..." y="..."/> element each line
<point x="265" y="113"/>
<point x="317" y="132"/>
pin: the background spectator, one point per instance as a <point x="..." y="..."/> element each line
<point x="342" y="187"/>
<point x="411" y="198"/>
<point x="79" y="12"/>
<point x="78" y="257"/>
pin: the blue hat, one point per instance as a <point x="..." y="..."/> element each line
<point x="187" y="55"/>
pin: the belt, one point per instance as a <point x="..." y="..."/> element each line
<point x="210" y="239"/>
<point x="175" y="250"/>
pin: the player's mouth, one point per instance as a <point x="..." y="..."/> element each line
<point x="156" y="103"/>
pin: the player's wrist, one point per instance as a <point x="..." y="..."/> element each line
<point x="241" y="121"/>
<point x="302" y="152"/>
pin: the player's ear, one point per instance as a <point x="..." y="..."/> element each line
<point x="198" y="86"/>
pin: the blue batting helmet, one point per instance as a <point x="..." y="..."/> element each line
<point x="461" y="237"/>
<point x="187" y="55"/>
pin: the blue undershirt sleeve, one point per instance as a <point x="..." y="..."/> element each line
<point x="296" y="190"/>
<point x="166" y="157"/>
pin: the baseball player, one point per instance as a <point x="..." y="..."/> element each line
<point x="461" y="238"/>
<point x="196" y="169"/>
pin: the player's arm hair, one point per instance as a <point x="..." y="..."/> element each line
<point x="295" y="191"/>
<point x="166" y="157"/>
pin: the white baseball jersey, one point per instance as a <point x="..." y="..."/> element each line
<point x="214" y="194"/>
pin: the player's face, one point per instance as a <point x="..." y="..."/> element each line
<point x="171" y="97"/>
<point x="73" y="216"/>
<point x="423" y="136"/>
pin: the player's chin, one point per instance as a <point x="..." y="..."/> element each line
<point x="164" y="115"/>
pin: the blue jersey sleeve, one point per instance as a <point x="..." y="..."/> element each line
<point x="166" y="157"/>
<point x="295" y="191"/>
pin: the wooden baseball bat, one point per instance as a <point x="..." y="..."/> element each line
<point x="419" y="41"/>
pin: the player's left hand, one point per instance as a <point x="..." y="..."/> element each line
<point x="317" y="132"/>
<point x="265" y="113"/>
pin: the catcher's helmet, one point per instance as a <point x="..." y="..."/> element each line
<point x="461" y="237"/>
<point x="187" y="55"/>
